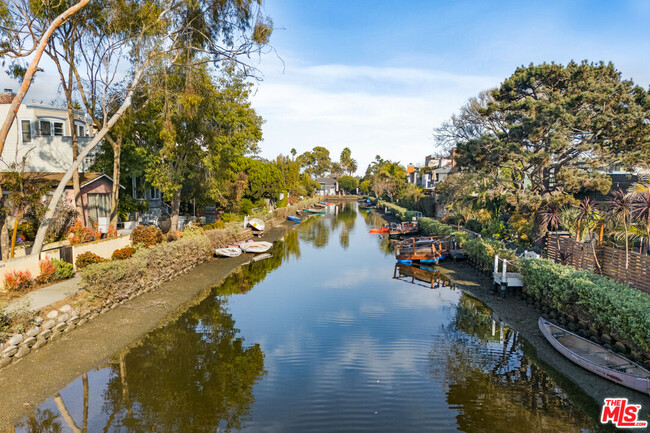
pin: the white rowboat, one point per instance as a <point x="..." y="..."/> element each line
<point x="255" y="246"/>
<point x="596" y="358"/>
<point x="257" y="224"/>
<point x="228" y="252"/>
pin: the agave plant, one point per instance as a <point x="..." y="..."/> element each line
<point x="620" y="208"/>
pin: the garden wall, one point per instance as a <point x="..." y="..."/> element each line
<point x="103" y="248"/>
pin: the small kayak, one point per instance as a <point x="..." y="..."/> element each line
<point x="255" y="246"/>
<point x="380" y="230"/>
<point x="293" y="218"/>
<point x="228" y="252"/>
<point x="256" y="224"/>
<point x="316" y="211"/>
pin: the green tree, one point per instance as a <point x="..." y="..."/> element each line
<point x="348" y="184"/>
<point x="316" y="162"/>
<point x="548" y="128"/>
<point x="146" y="35"/>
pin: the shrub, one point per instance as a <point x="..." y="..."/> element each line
<point x="219" y="224"/>
<point x="78" y="233"/>
<point x="483" y="252"/>
<point x="615" y="308"/>
<point x="245" y="206"/>
<point x="17" y="280"/>
<point x="47" y="271"/>
<point x="432" y="227"/>
<point x="27" y="230"/>
<point x="87" y="258"/>
<point x="112" y="231"/>
<point x="146" y="236"/>
<point x="123" y="253"/>
<point x="63" y="270"/>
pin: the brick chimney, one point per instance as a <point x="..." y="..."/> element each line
<point x="7" y="96"/>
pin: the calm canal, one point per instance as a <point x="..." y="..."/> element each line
<point x="321" y="337"/>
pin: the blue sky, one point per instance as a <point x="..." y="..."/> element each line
<point x="378" y="76"/>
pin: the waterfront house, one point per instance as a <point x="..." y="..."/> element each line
<point x="328" y="186"/>
<point x="41" y="139"/>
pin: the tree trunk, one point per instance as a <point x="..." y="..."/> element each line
<point x="115" y="196"/>
<point x="4" y="239"/>
<point x="627" y="249"/>
<point x="13" y="238"/>
<point x="76" y="187"/>
<point x="31" y="70"/>
<point x="176" y="208"/>
<point x="539" y="230"/>
<point x="58" y="193"/>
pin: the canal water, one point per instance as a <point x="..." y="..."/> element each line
<point x="325" y="336"/>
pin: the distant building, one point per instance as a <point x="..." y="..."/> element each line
<point x="328" y="186"/>
<point x="435" y="170"/>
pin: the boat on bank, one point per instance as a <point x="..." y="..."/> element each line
<point x="255" y="246"/>
<point x="293" y="218"/>
<point x="256" y="224"/>
<point x="228" y="251"/>
<point x="422" y="249"/>
<point x="384" y="229"/>
<point x="596" y="358"/>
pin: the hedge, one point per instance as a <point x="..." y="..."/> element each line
<point x="608" y="306"/>
<point x="482" y="252"/>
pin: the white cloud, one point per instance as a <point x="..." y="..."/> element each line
<point x="387" y="111"/>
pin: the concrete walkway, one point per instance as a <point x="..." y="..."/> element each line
<point x="41" y="298"/>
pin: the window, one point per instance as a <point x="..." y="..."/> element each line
<point x="45" y="128"/>
<point x="154" y="194"/>
<point x="27" y="132"/>
<point x="58" y="128"/>
<point x="99" y="206"/>
<point x="80" y="131"/>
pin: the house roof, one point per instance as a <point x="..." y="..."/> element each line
<point x="326" y="181"/>
<point x="55" y="178"/>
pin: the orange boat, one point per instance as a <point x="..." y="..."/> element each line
<point x="380" y="230"/>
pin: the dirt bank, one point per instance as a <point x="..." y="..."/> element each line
<point x="28" y="382"/>
<point x="584" y="387"/>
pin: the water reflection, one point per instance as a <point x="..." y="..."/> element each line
<point x="489" y="376"/>
<point x="421" y="275"/>
<point x="328" y="342"/>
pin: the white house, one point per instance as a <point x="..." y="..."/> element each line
<point x="43" y="134"/>
<point x="328" y="186"/>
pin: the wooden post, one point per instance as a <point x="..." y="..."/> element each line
<point x="496" y="263"/>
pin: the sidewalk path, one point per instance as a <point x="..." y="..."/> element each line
<point x="40" y="298"/>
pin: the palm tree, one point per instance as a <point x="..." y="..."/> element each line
<point x="586" y="210"/>
<point x="641" y="214"/>
<point x="620" y="207"/>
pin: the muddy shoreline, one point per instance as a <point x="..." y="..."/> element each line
<point x="85" y="348"/>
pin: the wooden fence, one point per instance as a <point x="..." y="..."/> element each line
<point x="611" y="261"/>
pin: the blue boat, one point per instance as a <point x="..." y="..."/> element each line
<point x="293" y="218"/>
